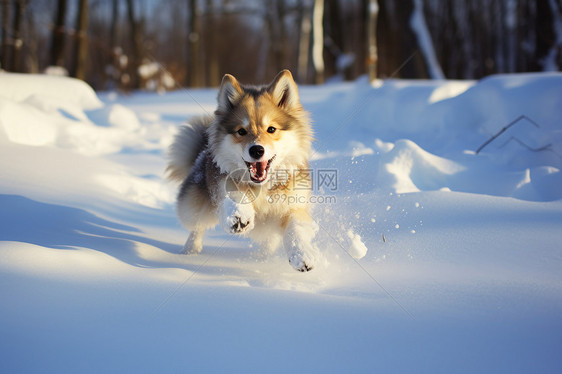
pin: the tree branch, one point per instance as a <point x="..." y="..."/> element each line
<point x="505" y="129"/>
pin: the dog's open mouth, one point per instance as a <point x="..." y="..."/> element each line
<point x="258" y="170"/>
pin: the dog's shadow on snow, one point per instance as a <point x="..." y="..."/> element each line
<point x="66" y="228"/>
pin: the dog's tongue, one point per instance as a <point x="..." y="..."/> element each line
<point x="259" y="170"/>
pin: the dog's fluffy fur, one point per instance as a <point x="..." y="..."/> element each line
<point x="246" y="168"/>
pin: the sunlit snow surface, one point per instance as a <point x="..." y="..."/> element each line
<point x="435" y="259"/>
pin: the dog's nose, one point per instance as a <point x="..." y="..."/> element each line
<point x="256" y="151"/>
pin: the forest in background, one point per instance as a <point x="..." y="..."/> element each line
<point x="162" y="45"/>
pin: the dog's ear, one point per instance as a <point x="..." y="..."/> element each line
<point x="284" y="91"/>
<point x="229" y="93"/>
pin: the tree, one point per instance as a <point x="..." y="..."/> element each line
<point x="195" y="73"/>
<point x="18" y="38"/>
<point x="274" y="18"/>
<point x="304" y="42"/>
<point x="372" y="52"/>
<point x="338" y="57"/>
<point x="81" y="47"/>
<point x="113" y="28"/>
<point x="136" y="47"/>
<point x="213" y="75"/>
<point x="419" y="26"/>
<point x="112" y="75"/>
<point x="280" y="50"/>
<point x="5" y="58"/>
<point x="58" y="36"/>
<point x="549" y="34"/>
<point x="318" y="41"/>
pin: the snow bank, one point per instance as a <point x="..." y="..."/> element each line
<point x="24" y="124"/>
<point x="423" y="134"/>
<point x="65" y="120"/>
<point x="35" y="108"/>
<point x="66" y="113"/>
<point x="48" y="89"/>
<point x="408" y="168"/>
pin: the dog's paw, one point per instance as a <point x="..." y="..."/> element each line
<point x="190" y="248"/>
<point x="302" y="254"/>
<point x="189" y="251"/>
<point x="193" y="244"/>
<point x="237" y="218"/>
<point x="239" y="225"/>
<point x="301" y="261"/>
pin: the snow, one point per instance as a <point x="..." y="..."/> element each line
<point x="435" y="258"/>
<point x="48" y="89"/>
<point x="357" y="248"/>
<point x="56" y="70"/>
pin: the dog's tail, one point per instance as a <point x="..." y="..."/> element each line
<point x="188" y="143"/>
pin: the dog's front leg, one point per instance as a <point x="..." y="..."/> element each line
<point x="297" y="241"/>
<point x="194" y="243"/>
<point x="236" y="218"/>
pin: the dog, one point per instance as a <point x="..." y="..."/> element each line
<point x="246" y="168"/>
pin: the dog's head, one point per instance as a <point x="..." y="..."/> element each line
<point x="261" y="129"/>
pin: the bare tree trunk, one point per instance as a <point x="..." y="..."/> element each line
<point x="81" y="48"/>
<point x="32" y="60"/>
<point x="213" y="78"/>
<point x="372" y="53"/>
<point x="194" y="71"/>
<point x="134" y="62"/>
<point x="498" y="33"/>
<point x="263" y="72"/>
<point x="555" y="54"/>
<point x="114" y="20"/>
<point x="419" y="26"/>
<point x="480" y="33"/>
<point x="510" y="21"/>
<point x="281" y="51"/>
<point x="18" y="40"/>
<point x="58" y="37"/>
<point x="318" y="41"/>
<point x="5" y="61"/>
<point x="549" y="35"/>
<point x="462" y="50"/>
<point x="112" y="75"/>
<point x="304" y="43"/>
<point x="273" y="47"/>
<point x="335" y="61"/>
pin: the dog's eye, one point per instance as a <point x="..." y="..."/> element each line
<point x="242" y="132"/>
<point x="271" y="129"/>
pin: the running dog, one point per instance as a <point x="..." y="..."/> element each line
<point x="246" y="168"/>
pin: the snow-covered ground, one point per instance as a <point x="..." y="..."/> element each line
<point x="463" y="271"/>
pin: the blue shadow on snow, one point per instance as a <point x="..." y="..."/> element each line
<point x="61" y="227"/>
